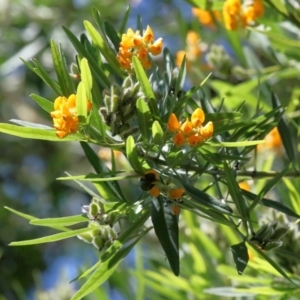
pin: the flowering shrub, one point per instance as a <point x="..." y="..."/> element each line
<point x="187" y="151"/>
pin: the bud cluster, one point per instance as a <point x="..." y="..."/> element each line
<point x="102" y="234"/>
<point x="119" y="112"/>
<point x="267" y="237"/>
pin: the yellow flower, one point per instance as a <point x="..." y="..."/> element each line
<point x="205" y="17"/>
<point x="187" y="127"/>
<point x="133" y="44"/>
<point x="197" y="117"/>
<point x="244" y="185"/>
<point x="65" y="116"/>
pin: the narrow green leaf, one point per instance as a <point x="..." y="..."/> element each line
<point x="145" y="85"/>
<point x="30" y="124"/>
<point x="157" y="133"/>
<point x="236" y="44"/>
<point x="271" y="203"/>
<point x="236" y="195"/>
<point x="61" y="70"/>
<point x="112" y="35"/>
<point x="51" y="238"/>
<point x="44" y="103"/>
<point x="272" y="263"/>
<point x="269" y="185"/>
<point x="86" y="78"/>
<point x="81" y="106"/>
<point x="104" y="49"/>
<point x="285" y="132"/>
<point x="97" y="71"/>
<point x="205" y="199"/>
<point x="25" y="216"/>
<point x="240" y="256"/>
<point x="124" y="20"/>
<point x="35" y="133"/>
<point x="110" y="187"/>
<point x="132" y="155"/>
<point x="65" y="221"/>
<point x="144" y="118"/>
<point x="288" y="255"/>
<point x="236" y="144"/>
<point x="166" y="229"/>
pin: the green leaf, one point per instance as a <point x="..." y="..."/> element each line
<point x="269" y="185"/>
<point x="205" y="199"/>
<point x="96" y="69"/>
<point x="144" y="118"/>
<point x="40" y="71"/>
<point x="132" y="155"/>
<point x="124" y="20"/>
<point x="236" y="144"/>
<point x="51" y="238"/>
<point x="44" y="103"/>
<point x="30" y="125"/>
<point x="86" y="78"/>
<point x="65" y="221"/>
<point x="181" y="76"/>
<point x="271" y="203"/>
<point x="61" y="70"/>
<point x="110" y="259"/>
<point x="207" y="5"/>
<point x="166" y="229"/>
<point x="236" y="43"/>
<point x="236" y="195"/>
<point x="105" y="188"/>
<point x="240" y="256"/>
<point x="285" y="132"/>
<point x="81" y="106"/>
<point x="112" y="35"/>
<point x="35" y="133"/>
<point x="104" y="49"/>
<point x="272" y="263"/>
<point x="157" y="133"/>
<point x="145" y="85"/>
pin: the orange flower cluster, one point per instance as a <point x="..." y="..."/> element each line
<point x="192" y="131"/>
<point x="235" y="14"/>
<point x="193" y="49"/>
<point x="133" y="43"/>
<point x="64" y="115"/>
<point x="206" y="17"/>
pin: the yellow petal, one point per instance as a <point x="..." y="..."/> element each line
<point x="198" y="117"/>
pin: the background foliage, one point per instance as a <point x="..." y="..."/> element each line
<point x="29" y="168"/>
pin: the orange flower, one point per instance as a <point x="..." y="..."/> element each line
<point x="190" y="131"/>
<point x="175" y="210"/>
<point x="234" y="14"/>
<point x="173" y="123"/>
<point x="205" y="17"/>
<point x="193" y="49"/>
<point x="133" y="43"/>
<point x="179" y="139"/>
<point x="273" y="140"/>
<point x="175" y="193"/>
<point x="155" y="191"/>
<point x="64" y="115"/>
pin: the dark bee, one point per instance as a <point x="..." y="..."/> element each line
<point x="147" y="182"/>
